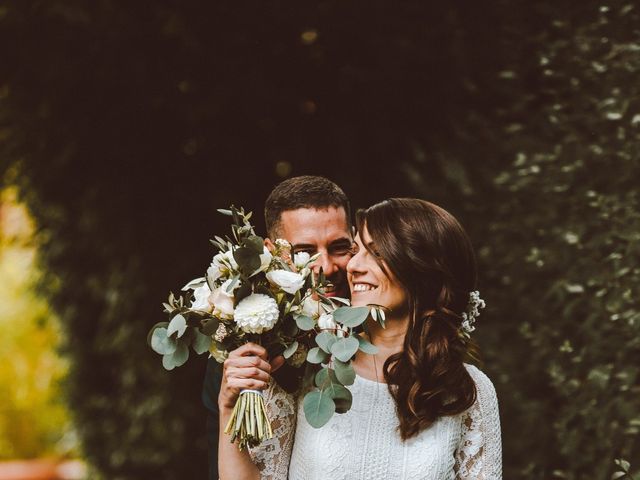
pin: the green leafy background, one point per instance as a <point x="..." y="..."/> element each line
<point x="126" y="124"/>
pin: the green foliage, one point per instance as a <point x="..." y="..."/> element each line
<point x="519" y="117"/>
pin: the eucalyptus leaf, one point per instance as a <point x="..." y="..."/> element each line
<point x="351" y="316"/>
<point x="304" y="322"/>
<point x="366" y="347"/>
<point x="324" y="377"/>
<point x="345" y="373"/>
<point x="342" y="398"/>
<point x="178" y="324"/>
<point x="318" y="408"/>
<point x="316" y="355"/>
<point x="344" y="348"/>
<point x="153" y="329"/>
<point x="290" y="350"/>
<point x="177" y="358"/>
<point x="162" y="343"/>
<point x="325" y="339"/>
<point x="201" y="342"/>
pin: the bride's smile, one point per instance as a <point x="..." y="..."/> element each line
<point x="370" y="279"/>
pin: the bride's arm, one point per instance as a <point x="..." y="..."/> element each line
<point x="246" y="368"/>
<point x="479" y="455"/>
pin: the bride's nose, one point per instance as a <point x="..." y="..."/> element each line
<point x="355" y="265"/>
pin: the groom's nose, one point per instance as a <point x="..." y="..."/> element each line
<point x="328" y="264"/>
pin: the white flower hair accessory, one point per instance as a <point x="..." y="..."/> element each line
<point x="473" y="311"/>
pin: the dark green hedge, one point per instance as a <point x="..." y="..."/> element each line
<point x="127" y="123"/>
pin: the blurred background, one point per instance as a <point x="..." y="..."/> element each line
<point x="124" y="125"/>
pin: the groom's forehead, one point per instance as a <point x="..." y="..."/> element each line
<point x="310" y="222"/>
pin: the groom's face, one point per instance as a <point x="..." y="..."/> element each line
<point x="323" y="231"/>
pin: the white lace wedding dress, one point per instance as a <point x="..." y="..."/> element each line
<point x="364" y="444"/>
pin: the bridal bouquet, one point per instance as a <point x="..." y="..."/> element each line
<point x="251" y="294"/>
<point x="248" y="294"/>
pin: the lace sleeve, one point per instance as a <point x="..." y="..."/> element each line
<point x="479" y="455"/>
<point x="272" y="456"/>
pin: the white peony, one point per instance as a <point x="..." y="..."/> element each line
<point x="301" y="259"/>
<point x="257" y="313"/>
<point x="265" y="261"/>
<point x="326" y="322"/>
<point x="222" y="300"/>
<point x="201" y="301"/>
<point x="290" y="282"/>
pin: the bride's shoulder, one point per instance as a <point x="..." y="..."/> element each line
<point x="484" y="386"/>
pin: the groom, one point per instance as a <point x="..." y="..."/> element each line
<point x="312" y="213"/>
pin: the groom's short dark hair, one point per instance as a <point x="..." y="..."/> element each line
<point x="307" y="191"/>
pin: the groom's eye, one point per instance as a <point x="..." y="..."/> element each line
<point x="343" y="248"/>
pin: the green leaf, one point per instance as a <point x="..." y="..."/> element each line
<point x="324" y="377"/>
<point x="341" y="396"/>
<point x="201" y="342"/>
<point x="178" y="324"/>
<point x="210" y="326"/>
<point x="290" y="350"/>
<point x="316" y="355"/>
<point x="617" y="475"/>
<point x="248" y="261"/>
<point x="304" y="323"/>
<point x="161" y="343"/>
<point x="366" y="347"/>
<point x="255" y="244"/>
<point x="318" y="408"/>
<point x="351" y="316"/>
<point x="345" y="348"/>
<point x="153" y="329"/>
<point x="325" y="339"/>
<point x="177" y="358"/>
<point x="345" y="373"/>
<point x="224" y="211"/>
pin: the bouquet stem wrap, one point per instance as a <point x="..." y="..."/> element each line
<point x="249" y="424"/>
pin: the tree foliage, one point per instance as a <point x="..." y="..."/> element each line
<point x="126" y="124"/>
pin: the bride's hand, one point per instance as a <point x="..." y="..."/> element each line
<point x="246" y="368"/>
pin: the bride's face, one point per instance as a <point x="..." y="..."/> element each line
<point x="369" y="284"/>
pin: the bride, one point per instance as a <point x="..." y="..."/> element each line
<point x="419" y="411"/>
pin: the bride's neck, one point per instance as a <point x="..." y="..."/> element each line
<point x="390" y="339"/>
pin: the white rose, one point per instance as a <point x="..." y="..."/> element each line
<point x="256" y="313"/>
<point x="201" y="301"/>
<point x="301" y="259"/>
<point x="290" y="282"/>
<point x="265" y="261"/>
<point x="222" y="300"/>
<point x="326" y="322"/>
<point x="311" y="307"/>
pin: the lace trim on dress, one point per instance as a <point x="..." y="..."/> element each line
<point x="479" y="456"/>
<point x="272" y="456"/>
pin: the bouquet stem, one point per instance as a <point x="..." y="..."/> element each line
<point x="249" y="424"/>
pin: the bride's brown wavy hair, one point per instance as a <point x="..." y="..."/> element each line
<point x="431" y="256"/>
